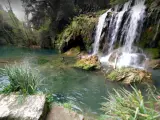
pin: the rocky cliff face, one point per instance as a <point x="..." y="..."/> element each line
<point x="150" y="38"/>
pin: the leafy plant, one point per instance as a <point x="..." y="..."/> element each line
<point x="23" y="78"/>
<point x="126" y="105"/>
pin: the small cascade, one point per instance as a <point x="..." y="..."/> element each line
<point x="118" y="22"/>
<point x="99" y="31"/>
<point x="125" y="28"/>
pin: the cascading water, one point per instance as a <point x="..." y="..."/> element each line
<point x="125" y="25"/>
<point x="118" y="23"/>
<point x="99" y="31"/>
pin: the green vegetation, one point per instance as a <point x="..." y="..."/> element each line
<point x="41" y="61"/>
<point x="81" y="26"/>
<point x="126" y="105"/>
<point x="153" y="52"/>
<point x="129" y="75"/>
<point x="115" y="2"/>
<point x="68" y="105"/>
<point x="15" y="32"/>
<point x="22" y="77"/>
<point x="88" y="63"/>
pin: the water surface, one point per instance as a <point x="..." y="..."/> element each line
<point x="84" y="89"/>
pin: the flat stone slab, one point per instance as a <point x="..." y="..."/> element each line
<point x="61" y="113"/>
<point x="16" y="107"/>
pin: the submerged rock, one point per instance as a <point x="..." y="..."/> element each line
<point x="129" y="75"/>
<point x="16" y="107"/>
<point x="88" y="62"/>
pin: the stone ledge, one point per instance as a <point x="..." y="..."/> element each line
<point x="18" y="107"/>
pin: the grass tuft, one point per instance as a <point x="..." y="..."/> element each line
<point x="126" y="105"/>
<point x="23" y="78"/>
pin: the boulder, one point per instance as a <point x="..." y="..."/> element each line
<point x="61" y="113"/>
<point x="17" y="107"/>
<point x="154" y="64"/>
<point x="88" y="62"/>
<point x="73" y="51"/>
<point x="129" y="75"/>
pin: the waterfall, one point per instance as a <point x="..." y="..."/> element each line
<point x="118" y="22"/>
<point x="125" y="28"/>
<point x="99" y="31"/>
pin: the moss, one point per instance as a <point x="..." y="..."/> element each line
<point x="85" y="66"/>
<point x="42" y="61"/>
<point x="147" y="37"/>
<point x="83" y="26"/>
<point x="153" y="52"/>
<point x="88" y="63"/>
<point x="129" y="75"/>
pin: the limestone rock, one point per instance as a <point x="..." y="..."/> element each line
<point x="16" y="107"/>
<point x="154" y="64"/>
<point x="61" y="113"/>
<point x="129" y="75"/>
<point x="88" y="62"/>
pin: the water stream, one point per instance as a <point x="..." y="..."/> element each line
<point x="124" y="30"/>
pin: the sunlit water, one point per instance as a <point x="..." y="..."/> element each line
<point x="86" y="90"/>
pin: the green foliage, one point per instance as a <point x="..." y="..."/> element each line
<point x="22" y="77"/>
<point x="50" y="100"/>
<point x="67" y="105"/>
<point x="126" y="105"/>
<point x="147" y="36"/>
<point x="80" y="26"/>
<point x="45" y="26"/>
<point x="13" y="31"/>
<point x="7" y="89"/>
<point x="154" y="52"/>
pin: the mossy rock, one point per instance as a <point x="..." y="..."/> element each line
<point x="153" y="64"/>
<point x="129" y="75"/>
<point x="88" y="63"/>
<point x="78" y="32"/>
<point x="73" y="51"/>
<point x="153" y="52"/>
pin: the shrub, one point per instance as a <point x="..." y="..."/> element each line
<point x="22" y="77"/>
<point x="126" y="105"/>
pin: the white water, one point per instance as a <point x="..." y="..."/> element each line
<point x="119" y="19"/>
<point x="137" y="15"/>
<point x="130" y="31"/>
<point x="99" y="31"/>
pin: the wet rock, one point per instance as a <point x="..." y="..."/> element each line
<point x="153" y="64"/>
<point x="73" y="51"/>
<point x="88" y="62"/>
<point x="129" y="75"/>
<point x="16" y="107"/>
<point x="61" y="113"/>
